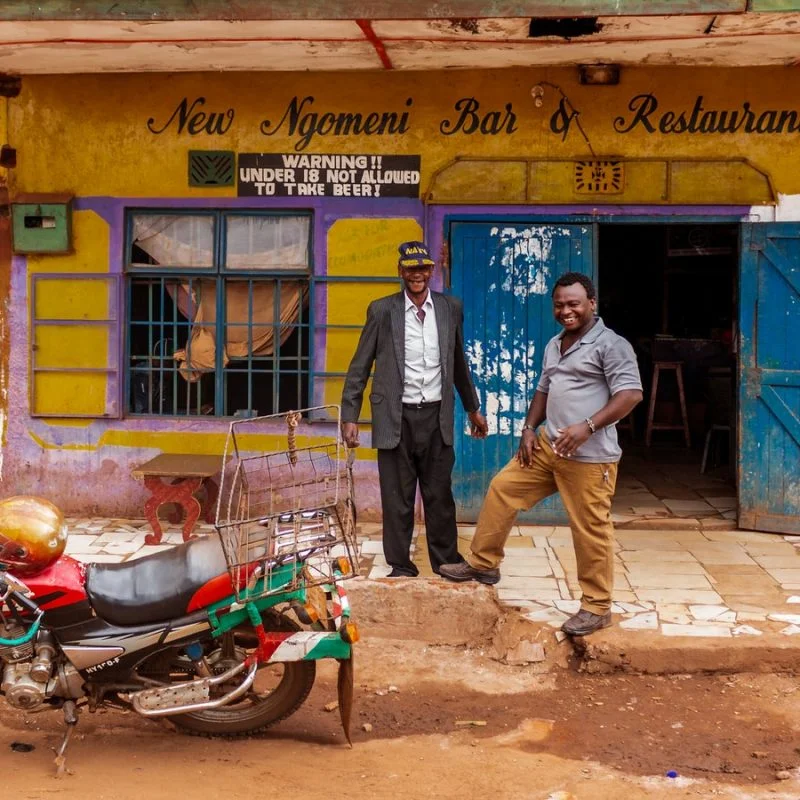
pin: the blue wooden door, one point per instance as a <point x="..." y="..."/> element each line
<point x="504" y="273"/>
<point x="769" y="381"/>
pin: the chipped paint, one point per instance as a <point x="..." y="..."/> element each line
<point x="523" y="253"/>
<point x="74" y="459"/>
<point x="769" y="426"/>
<point x="504" y="268"/>
<point x="792" y="496"/>
<point x="509" y="363"/>
<point x="787" y="209"/>
<point x="505" y="365"/>
<point x="627" y="35"/>
<point x="232" y="11"/>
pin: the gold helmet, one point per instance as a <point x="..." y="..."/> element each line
<point x="33" y="534"/>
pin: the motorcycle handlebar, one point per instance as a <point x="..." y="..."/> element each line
<point x="29" y="605"/>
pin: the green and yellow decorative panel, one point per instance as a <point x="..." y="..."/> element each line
<point x="635" y="180"/>
<point x="599" y="177"/>
<point x="212" y="167"/>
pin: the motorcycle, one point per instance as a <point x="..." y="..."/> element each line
<point x="220" y="635"/>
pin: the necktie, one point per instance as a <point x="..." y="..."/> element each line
<point x="421" y="314"/>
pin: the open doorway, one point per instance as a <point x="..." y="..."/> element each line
<point x="671" y="290"/>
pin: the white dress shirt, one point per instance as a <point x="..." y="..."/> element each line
<point x="422" y="378"/>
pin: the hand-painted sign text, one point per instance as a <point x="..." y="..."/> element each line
<point x="647" y="115"/>
<point x="194" y="119"/>
<point x="306" y="123"/>
<point x="299" y="120"/>
<point x="471" y="119"/>
<point x="307" y="175"/>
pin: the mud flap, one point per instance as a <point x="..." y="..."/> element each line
<point x="345" y="689"/>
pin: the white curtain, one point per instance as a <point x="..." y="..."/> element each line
<point x="252" y="242"/>
<point x="271" y="243"/>
<point x="172" y="240"/>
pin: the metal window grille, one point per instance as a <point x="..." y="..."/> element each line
<point x="327" y="384"/>
<point x="235" y="357"/>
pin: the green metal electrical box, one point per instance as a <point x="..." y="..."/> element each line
<point x="42" y="223"/>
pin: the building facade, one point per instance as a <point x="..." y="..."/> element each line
<point x="187" y="248"/>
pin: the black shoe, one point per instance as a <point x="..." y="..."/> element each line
<point x="396" y="573"/>
<point x="465" y="572"/>
<point x="585" y="622"/>
<point x="458" y="560"/>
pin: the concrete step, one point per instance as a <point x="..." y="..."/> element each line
<point x="470" y="615"/>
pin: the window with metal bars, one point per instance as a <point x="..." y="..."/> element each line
<point x="219" y="312"/>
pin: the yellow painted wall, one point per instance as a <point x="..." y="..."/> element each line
<point x="90" y="237"/>
<point x="359" y="248"/>
<point x="89" y="134"/>
<point x="71" y="344"/>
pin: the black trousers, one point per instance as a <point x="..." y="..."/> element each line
<point x="421" y="457"/>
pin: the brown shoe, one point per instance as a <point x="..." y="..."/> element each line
<point x="464" y="572"/>
<point x="585" y="622"/>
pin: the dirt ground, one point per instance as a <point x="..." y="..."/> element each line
<point x="558" y="736"/>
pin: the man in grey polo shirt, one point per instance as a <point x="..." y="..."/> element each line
<point x="590" y="380"/>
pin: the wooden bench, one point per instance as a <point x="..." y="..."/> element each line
<point x="185" y="475"/>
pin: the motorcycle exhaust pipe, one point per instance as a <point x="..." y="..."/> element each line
<point x="190" y="696"/>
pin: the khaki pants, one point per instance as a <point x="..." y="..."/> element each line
<point x="586" y="491"/>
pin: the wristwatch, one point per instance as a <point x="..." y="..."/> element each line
<point x="531" y="428"/>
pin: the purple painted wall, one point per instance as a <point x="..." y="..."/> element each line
<point x="86" y="479"/>
<point x="72" y="470"/>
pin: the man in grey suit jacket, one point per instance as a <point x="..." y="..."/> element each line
<point x="415" y="340"/>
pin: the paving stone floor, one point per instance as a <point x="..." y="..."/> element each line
<point x="694" y="580"/>
<point x="671" y="487"/>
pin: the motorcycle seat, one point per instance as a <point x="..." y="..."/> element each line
<point x="157" y="587"/>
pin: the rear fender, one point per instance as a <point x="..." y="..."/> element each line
<point x="304" y="646"/>
<point x="280" y="646"/>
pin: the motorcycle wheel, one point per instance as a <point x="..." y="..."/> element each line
<point x="279" y="689"/>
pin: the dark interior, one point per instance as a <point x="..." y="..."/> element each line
<point x="671" y="291"/>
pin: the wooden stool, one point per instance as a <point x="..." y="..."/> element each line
<point x="677" y="366"/>
<point x="726" y="429"/>
<point x="187" y="474"/>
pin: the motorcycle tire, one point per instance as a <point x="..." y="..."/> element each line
<point x="246" y="718"/>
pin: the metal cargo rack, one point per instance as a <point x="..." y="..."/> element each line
<point x="282" y="510"/>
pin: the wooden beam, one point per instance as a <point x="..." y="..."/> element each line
<point x="774" y="5"/>
<point x="25" y="10"/>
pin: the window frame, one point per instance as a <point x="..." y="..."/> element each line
<point x="114" y="369"/>
<point x="219" y="273"/>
